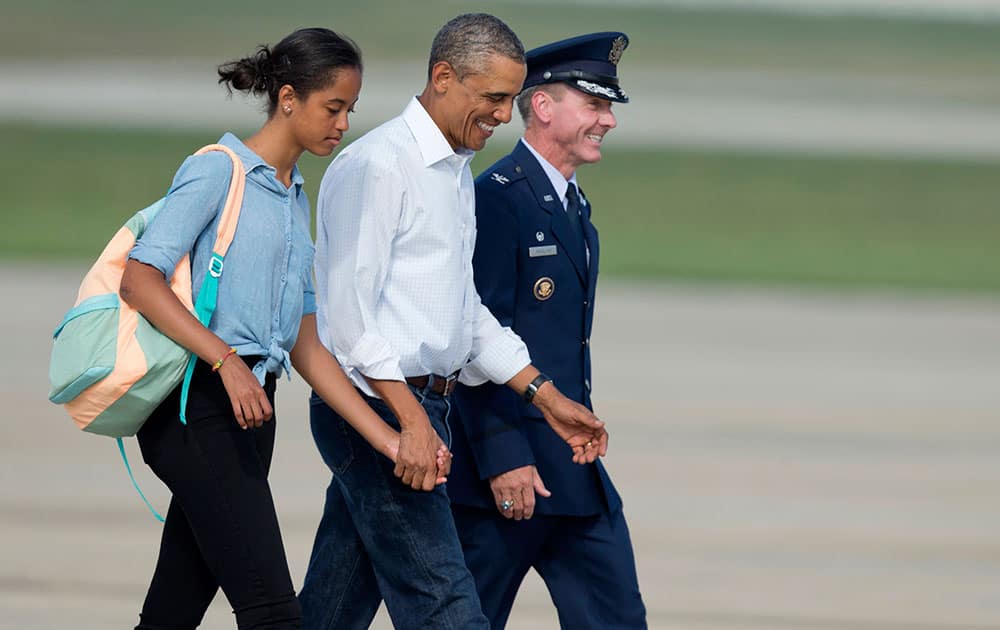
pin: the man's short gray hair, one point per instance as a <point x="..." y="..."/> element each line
<point x="555" y="90"/>
<point x="468" y="41"/>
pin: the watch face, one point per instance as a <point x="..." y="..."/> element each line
<point x="529" y="393"/>
<point x="533" y="386"/>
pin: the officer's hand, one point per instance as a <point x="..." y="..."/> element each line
<point x="517" y="489"/>
<point x="573" y="422"/>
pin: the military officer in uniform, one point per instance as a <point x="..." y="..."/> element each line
<point x="518" y="501"/>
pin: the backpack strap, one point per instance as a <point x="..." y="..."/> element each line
<point x="121" y="449"/>
<point x="208" y="295"/>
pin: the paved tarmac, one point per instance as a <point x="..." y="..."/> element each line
<point x="788" y="460"/>
<point x="780" y="110"/>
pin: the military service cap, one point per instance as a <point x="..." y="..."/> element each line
<point x="588" y="62"/>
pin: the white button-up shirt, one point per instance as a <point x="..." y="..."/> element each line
<point x="395" y="233"/>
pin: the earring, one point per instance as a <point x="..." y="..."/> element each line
<point x="287" y="109"/>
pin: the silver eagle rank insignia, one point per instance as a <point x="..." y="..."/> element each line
<point x="617" y="48"/>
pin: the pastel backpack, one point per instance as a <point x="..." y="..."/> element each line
<point x="110" y="368"/>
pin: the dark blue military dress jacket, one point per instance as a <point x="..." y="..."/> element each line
<point x="532" y="273"/>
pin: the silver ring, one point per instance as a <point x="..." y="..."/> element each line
<point x="507" y="504"/>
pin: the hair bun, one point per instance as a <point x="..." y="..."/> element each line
<point x="263" y="70"/>
<point x="307" y="59"/>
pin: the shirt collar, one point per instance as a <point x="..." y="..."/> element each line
<point x="252" y="161"/>
<point x="559" y="183"/>
<point x="431" y="142"/>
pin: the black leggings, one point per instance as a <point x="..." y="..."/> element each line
<point x="221" y="529"/>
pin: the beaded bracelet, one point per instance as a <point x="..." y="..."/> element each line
<point x="218" y="364"/>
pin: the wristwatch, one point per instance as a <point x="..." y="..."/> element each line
<point x="533" y="386"/>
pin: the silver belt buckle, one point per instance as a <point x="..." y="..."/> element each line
<point x="449" y="384"/>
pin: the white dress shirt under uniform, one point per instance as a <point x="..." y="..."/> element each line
<point x="396" y="228"/>
<point x="559" y="183"/>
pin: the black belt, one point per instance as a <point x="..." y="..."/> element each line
<point x="440" y="385"/>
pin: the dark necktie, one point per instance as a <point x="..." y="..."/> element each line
<point x="575" y="215"/>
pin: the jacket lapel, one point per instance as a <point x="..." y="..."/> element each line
<point x="542" y="188"/>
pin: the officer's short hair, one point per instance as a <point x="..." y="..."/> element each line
<point x="466" y="42"/>
<point x="555" y="90"/>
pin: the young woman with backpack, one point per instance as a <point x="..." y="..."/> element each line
<point x="221" y="528"/>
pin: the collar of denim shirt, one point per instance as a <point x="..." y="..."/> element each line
<point x="253" y="162"/>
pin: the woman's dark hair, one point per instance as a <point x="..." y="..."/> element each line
<point x="307" y="60"/>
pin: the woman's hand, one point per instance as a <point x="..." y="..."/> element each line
<point x="250" y="404"/>
<point x="146" y="290"/>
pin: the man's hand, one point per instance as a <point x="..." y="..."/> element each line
<point x="391" y="450"/>
<point x="422" y="459"/>
<point x="516" y="488"/>
<point x="574" y="423"/>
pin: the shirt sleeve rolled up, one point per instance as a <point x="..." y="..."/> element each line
<point x="497" y="352"/>
<point x="192" y="203"/>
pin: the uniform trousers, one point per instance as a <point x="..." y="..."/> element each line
<point x="586" y="563"/>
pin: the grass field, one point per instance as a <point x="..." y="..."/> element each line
<point x="668" y="215"/>
<point x="661" y="36"/>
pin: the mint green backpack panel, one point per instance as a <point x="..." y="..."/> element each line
<point x="165" y="365"/>
<point x="85" y="347"/>
<point x="87" y="352"/>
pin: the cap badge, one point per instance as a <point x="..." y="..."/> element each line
<point x="617" y="48"/>
<point x="544" y="288"/>
<point x="539" y="236"/>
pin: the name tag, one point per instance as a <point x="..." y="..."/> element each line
<point x="541" y="250"/>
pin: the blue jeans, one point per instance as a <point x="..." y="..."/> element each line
<point x="380" y="539"/>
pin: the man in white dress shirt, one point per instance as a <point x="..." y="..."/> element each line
<point x="398" y="307"/>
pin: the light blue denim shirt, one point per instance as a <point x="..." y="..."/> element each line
<point x="266" y="286"/>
